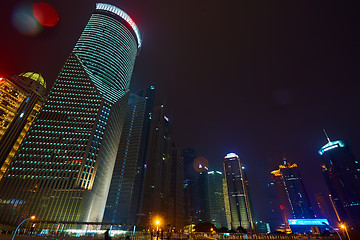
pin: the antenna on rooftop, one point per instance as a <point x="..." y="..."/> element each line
<point x="327" y="136"/>
<point x="284" y="158"/>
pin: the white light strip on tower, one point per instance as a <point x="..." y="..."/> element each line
<point x="123" y="15"/>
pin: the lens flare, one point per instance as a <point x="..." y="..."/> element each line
<point x="24" y="22"/>
<point x="45" y="14"/>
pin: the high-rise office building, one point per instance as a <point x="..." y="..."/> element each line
<point x="238" y="193"/>
<point x="124" y="198"/>
<point x="203" y="204"/>
<point x="216" y="199"/>
<point x="21" y="98"/>
<point x="342" y="174"/>
<point x="291" y="192"/>
<point x="157" y="200"/>
<point x="190" y="194"/>
<point x="62" y="171"/>
<point x="196" y="188"/>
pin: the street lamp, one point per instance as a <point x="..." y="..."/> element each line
<point x="157" y="223"/>
<point x="343" y="226"/>
<point x="31" y="217"/>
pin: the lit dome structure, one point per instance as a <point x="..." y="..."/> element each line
<point x="34" y="76"/>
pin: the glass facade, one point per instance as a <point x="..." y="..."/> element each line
<point x="62" y="171"/>
<point x="237" y="186"/>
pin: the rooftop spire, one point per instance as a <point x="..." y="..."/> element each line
<point x="327" y="136"/>
<point x="284" y="158"/>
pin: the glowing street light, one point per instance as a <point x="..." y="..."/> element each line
<point x="157" y="223"/>
<point x="31" y="217"/>
<point x="343" y="226"/>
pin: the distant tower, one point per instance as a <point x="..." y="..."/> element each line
<point x="190" y="194"/>
<point x="240" y="208"/>
<point x="124" y="198"/>
<point x="342" y="174"/>
<point x="203" y="209"/>
<point x="216" y="199"/>
<point x="177" y="188"/>
<point x="62" y="172"/>
<point x="291" y="192"/>
<point x="21" y="98"/>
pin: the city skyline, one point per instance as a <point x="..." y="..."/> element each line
<point x="307" y="75"/>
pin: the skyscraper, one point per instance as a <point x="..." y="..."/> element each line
<point x="291" y="192"/>
<point x="342" y="175"/>
<point x="157" y="200"/>
<point x="237" y="186"/>
<point x="216" y="199"/>
<point x="124" y="198"/>
<point x="177" y="188"/>
<point x="63" y="170"/>
<point x="190" y="202"/>
<point x="21" y="98"/>
<point x="202" y="190"/>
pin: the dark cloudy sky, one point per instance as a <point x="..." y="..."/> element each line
<point x="258" y="78"/>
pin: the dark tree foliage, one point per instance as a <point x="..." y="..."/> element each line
<point x="223" y="230"/>
<point x="241" y="229"/>
<point x="204" y="227"/>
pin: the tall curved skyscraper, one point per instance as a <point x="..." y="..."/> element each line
<point x="62" y="171"/>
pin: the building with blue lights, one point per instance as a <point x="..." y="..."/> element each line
<point x="342" y="175"/>
<point x="125" y="193"/>
<point x="62" y="172"/>
<point x="238" y="193"/>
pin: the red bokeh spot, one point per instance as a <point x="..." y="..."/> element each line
<point x="1" y="78"/>
<point x="45" y="14"/>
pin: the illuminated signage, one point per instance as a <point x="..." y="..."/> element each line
<point x="123" y="15"/>
<point x="309" y="222"/>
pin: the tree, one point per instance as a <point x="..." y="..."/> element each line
<point x="204" y="227"/>
<point x="241" y="229"/>
<point x="223" y="230"/>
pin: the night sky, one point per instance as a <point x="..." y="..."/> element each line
<point x="258" y="78"/>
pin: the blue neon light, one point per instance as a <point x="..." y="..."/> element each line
<point x="331" y="145"/>
<point x="309" y="222"/>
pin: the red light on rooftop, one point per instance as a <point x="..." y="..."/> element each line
<point x="45" y="14"/>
